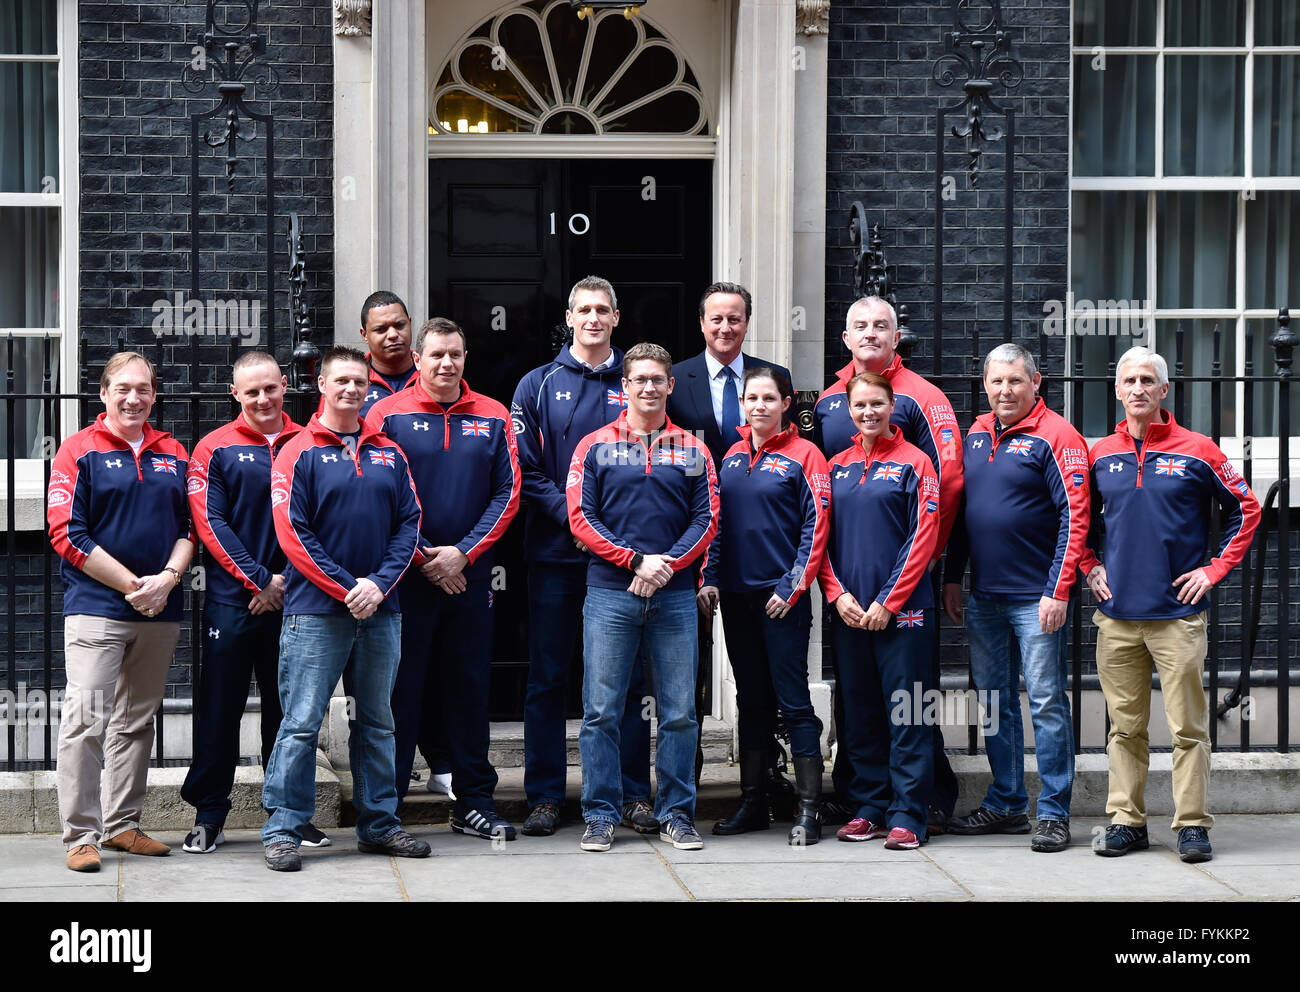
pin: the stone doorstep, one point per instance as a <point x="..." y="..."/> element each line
<point x="1254" y="783"/>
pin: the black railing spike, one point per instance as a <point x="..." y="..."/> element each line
<point x="1216" y="366"/>
<point x="1283" y="342"/>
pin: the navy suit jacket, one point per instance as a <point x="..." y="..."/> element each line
<point x="690" y="406"/>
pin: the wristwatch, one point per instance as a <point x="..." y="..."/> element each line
<point x="637" y="559"/>
<point x="176" y="574"/>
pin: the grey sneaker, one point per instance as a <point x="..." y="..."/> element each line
<point x="399" y="845"/>
<point x="681" y="833"/>
<point x="282" y="855"/>
<point x="599" y="836"/>
<point x="640" y="816"/>
<point x="1051" y="836"/>
<point x="983" y="820"/>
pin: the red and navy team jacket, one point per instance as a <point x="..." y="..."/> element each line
<point x="1152" y="517"/>
<point x="556" y="406"/>
<point x="924" y="415"/>
<point x="884" y="526"/>
<point x="776" y="514"/>
<point x="626" y="496"/>
<point x="102" y="495"/>
<point x="464" y="463"/>
<point x="230" y="499"/>
<point x="1025" y="509"/>
<point x="340" y="517"/>
<point x="378" y="389"/>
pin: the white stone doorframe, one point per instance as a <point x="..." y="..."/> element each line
<point x="770" y="188"/>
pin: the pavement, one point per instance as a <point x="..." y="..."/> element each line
<point x="1257" y="858"/>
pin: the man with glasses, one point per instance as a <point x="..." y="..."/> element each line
<point x="643" y="497"/>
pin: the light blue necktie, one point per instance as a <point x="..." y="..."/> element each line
<point x="730" y="409"/>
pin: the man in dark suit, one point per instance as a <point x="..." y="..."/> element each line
<point x="706" y="399"/>
<point x="707" y="395"/>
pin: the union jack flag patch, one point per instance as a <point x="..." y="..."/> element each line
<point x="673" y="456"/>
<point x="771" y="463"/>
<point x="910" y="618"/>
<point x="890" y="473"/>
<point x="475" y="428"/>
<point x="380" y="457"/>
<point x="167" y="465"/>
<point x="615" y="397"/>
<point x="1021" y="446"/>
<point x="1171" y="466"/>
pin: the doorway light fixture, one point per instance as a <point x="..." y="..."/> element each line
<point x="588" y="8"/>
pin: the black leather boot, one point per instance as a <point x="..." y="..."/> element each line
<point x="807" y="828"/>
<point x="751" y="814"/>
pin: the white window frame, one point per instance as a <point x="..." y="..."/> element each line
<point x="29" y="473"/>
<point x="1265" y="449"/>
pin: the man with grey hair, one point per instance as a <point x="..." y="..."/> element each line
<point x="1023" y="524"/>
<point x="1153" y="483"/>
<point x="556" y="406"/>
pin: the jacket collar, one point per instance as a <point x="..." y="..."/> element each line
<point x="570" y="361"/>
<point x="889" y="371"/>
<point x="420" y="396"/>
<point x="1157" y="430"/>
<point x="150" y="434"/>
<point x="377" y="377"/>
<point x="1029" y="421"/>
<point x="252" y="433"/>
<point x="882" y="447"/>
<point x="776" y="442"/>
<point x="327" y="436"/>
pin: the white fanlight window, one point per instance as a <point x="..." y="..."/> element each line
<point x="538" y="69"/>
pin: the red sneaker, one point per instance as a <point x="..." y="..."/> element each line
<point x="860" y="829"/>
<point x="901" y="839"/>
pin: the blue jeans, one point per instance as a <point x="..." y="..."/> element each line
<point x="770" y="661"/>
<point x="991" y="621"/>
<point x="618" y="629"/>
<point x="555" y="597"/>
<point x="314" y="652"/>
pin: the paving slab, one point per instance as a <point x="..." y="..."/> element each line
<point x="908" y="877"/>
<point x="1257" y="881"/>
<point x="60" y="893"/>
<point x="576" y="877"/>
<point x="563" y="841"/>
<point x="770" y="847"/>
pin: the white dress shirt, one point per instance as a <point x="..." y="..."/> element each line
<point x="718" y="381"/>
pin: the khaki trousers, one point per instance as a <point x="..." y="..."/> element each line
<point x="1126" y="652"/>
<point x="117" y="671"/>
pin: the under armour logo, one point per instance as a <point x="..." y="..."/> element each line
<point x="977" y="443"/>
<point x="842" y="474"/>
<point x="420" y="425"/>
<point x="373" y="394"/>
<point x="112" y="463"/>
<point x="834" y="405"/>
<point x="1115" y="467"/>
<point x="736" y="462"/>
<point x="331" y="457"/>
<point x="214" y="633"/>
<point x="246" y="457"/>
<point x="566" y="395"/>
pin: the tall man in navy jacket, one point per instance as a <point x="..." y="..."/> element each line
<point x="1153" y="484"/>
<point x="230" y="495"/>
<point x="348" y="518"/>
<point x="554" y="408"/>
<point x="1023" y="523"/>
<point x="462" y="454"/>
<point x="643" y="496"/>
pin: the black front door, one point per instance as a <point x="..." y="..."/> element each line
<point x="507" y="238"/>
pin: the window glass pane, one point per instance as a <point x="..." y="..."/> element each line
<point x="29" y="358"/>
<point x="520" y="37"/>
<point x="1277" y="22"/>
<point x="1100" y="411"/>
<point x="28" y="27"/>
<point x="1108" y="245"/>
<point x="1203" y="115"/>
<point x="29" y="127"/>
<point x="1114" y="115"/>
<point x="29" y="279"/>
<point x="1273" y="250"/>
<point x="1195" y="249"/>
<point x="1198" y="398"/>
<point x="1114" y="22"/>
<point x="1264" y="401"/>
<point x="1277" y="115"/>
<point x="1204" y="22"/>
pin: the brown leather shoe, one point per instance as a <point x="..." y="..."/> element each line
<point x="138" y="842"/>
<point x="84" y="857"/>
